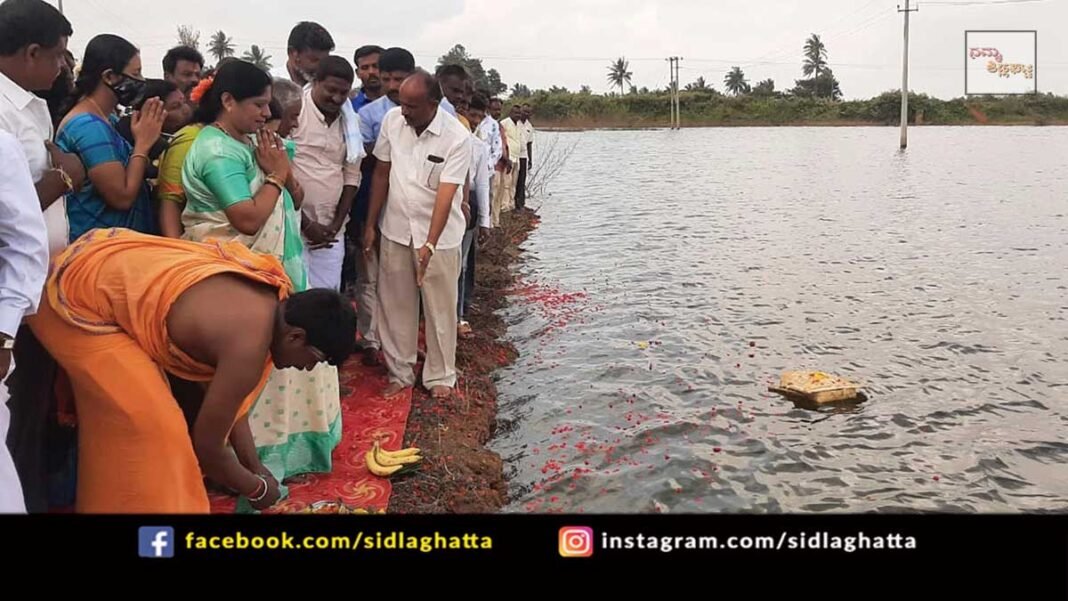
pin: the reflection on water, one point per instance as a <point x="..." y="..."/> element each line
<point x="677" y="274"/>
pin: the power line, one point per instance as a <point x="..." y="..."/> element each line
<point x="118" y="18"/>
<point x="865" y="25"/>
<point x="831" y="31"/>
<point x="980" y="2"/>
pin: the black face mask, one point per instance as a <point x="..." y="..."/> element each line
<point x="128" y="91"/>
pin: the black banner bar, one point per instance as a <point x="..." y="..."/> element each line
<point x="1033" y="548"/>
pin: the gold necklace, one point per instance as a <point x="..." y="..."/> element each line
<point x="98" y="109"/>
<point x="223" y="129"/>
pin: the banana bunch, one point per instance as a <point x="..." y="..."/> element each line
<point x="391" y="463"/>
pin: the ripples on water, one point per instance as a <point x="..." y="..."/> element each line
<point x="935" y="277"/>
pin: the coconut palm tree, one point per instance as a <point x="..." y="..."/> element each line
<point x="764" y="88"/>
<point x="221" y="46"/>
<point x="258" y="57"/>
<point x="699" y="85"/>
<point x="735" y="82"/>
<point x="521" y="91"/>
<point x="815" y="57"/>
<point x="619" y="73"/>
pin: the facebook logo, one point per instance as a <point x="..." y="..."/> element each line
<point x="155" y="541"/>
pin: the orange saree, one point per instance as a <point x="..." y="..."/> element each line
<point x="104" y="320"/>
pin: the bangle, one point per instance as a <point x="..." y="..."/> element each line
<point x="263" y="495"/>
<point x="67" y="181"/>
<point x="275" y="181"/>
<point x="431" y="246"/>
<point x="141" y="155"/>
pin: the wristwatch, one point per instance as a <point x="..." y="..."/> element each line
<point x="6" y="343"/>
<point x="430" y="246"/>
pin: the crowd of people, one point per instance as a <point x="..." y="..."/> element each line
<point x="186" y="262"/>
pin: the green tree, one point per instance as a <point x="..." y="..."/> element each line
<point x="815" y="57"/>
<point x="764" y="88"/>
<point x="824" y="86"/>
<point x="700" y="85"/>
<point x="585" y="90"/>
<point x="521" y="91"/>
<point x="736" y="83"/>
<point x="487" y="81"/>
<point x="187" y="36"/>
<point x="619" y="73"/>
<point x="221" y="45"/>
<point x="258" y="57"/>
<point x="494" y="85"/>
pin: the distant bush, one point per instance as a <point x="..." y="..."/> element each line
<point x="709" y="107"/>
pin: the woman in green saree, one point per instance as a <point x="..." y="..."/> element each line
<point x="239" y="186"/>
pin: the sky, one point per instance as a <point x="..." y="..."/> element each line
<point x="571" y="42"/>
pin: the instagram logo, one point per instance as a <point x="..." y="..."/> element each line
<point x="576" y="541"/>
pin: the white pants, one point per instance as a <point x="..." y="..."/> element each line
<point x="324" y="265"/>
<point x="398" y="316"/>
<point x="11" y="500"/>
<point x="56" y="225"/>
<point x="367" y="300"/>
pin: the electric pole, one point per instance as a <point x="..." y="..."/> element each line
<point x="905" y="79"/>
<point x="678" y="98"/>
<point x="61" y="6"/>
<point x="671" y="88"/>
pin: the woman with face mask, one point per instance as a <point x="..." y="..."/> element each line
<point x="116" y="194"/>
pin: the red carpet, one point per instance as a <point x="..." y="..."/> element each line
<point x="365" y="416"/>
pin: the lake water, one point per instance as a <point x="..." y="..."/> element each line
<point x="676" y="275"/>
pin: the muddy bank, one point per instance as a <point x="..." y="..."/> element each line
<point x="460" y="475"/>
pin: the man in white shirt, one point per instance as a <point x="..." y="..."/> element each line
<point x="394" y="66"/>
<point x="33" y="51"/>
<point x="478" y="216"/>
<point x="329" y="181"/>
<point x="424" y="156"/>
<point x="489" y="131"/>
<point x="33" y="45"/>
<point x="502" y="173"/>
<point x="526" y="142"/>
<point x="513" y="137"/>
<point x="23" y="267"/>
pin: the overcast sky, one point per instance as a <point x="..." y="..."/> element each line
<point x="570" y="42"/>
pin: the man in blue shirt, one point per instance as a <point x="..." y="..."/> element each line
<point x="394" y="66"/>
<point x="366" y="59"/>
<point x="454" y="80"/>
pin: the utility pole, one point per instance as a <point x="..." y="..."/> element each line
<point x="678" y="99"/>
<point x="905" y="79"/>
<point x="671" y="88"/>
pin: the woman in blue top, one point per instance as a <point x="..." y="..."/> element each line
<point x="116" y="194"/>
